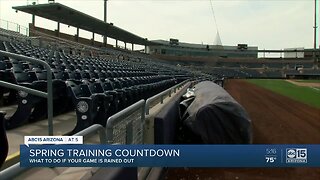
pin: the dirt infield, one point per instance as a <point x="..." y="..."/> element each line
<point x="276" y="119"/>
<point x="306" y="84"/>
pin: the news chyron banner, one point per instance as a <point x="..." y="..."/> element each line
<point x="68" y="151"/>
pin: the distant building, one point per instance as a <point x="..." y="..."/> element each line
<point x="294" y="54"/>
<point x="176" y="48"/>
<point x="308" y="53"/>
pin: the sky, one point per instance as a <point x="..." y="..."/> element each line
<point x="268" y="24"/>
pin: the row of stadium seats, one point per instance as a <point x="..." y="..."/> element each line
<point x="98" y="100"/>
<point x="102" y="86"/>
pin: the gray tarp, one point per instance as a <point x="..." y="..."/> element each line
<point x="214" y="117"/>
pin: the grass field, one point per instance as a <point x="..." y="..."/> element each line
<point x="305" y="95"/>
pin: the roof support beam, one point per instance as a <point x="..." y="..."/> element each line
<point x="105" y="37"/>
<point x="93" y="38"/>
<point x="33" y="20"/>
<point x="58" y="29"/>
<point x="77" y="36"/>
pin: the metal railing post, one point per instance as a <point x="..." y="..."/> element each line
<point x="129" y="133"/>
<point x="143" y="117"/>
<point x="161" y="99"/>
<point x="50" y="101"/>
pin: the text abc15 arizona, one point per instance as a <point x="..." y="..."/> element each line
<point x="296" y="155"/>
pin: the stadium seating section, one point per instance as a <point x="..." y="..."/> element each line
<point x="96" y="87"/>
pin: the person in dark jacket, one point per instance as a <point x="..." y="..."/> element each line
<point x="3" y="140"/>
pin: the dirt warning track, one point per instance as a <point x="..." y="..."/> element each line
<point x="276" y="119"/>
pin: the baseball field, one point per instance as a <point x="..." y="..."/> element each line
<point x="282" y="112"/>
<point x="305" y="91"/>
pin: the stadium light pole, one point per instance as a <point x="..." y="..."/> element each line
<point x="105" y="20"/>
<point x="315" y="32"/>
<point x="319" y="36"/>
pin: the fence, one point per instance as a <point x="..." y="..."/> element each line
<point x="11" y="26"/>
<point x="126" y="126"/>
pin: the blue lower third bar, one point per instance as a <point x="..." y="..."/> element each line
<point x="170" y="156"/>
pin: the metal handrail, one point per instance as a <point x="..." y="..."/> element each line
<point x="47" y="95"/>
<point x="93" y="129"/>
<point x="116" y="118"/>
<point x="28" y="90"/>
<point x="160" y="95"/>
<point x="15" y="170"/>
<point x="12" y="171"/>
